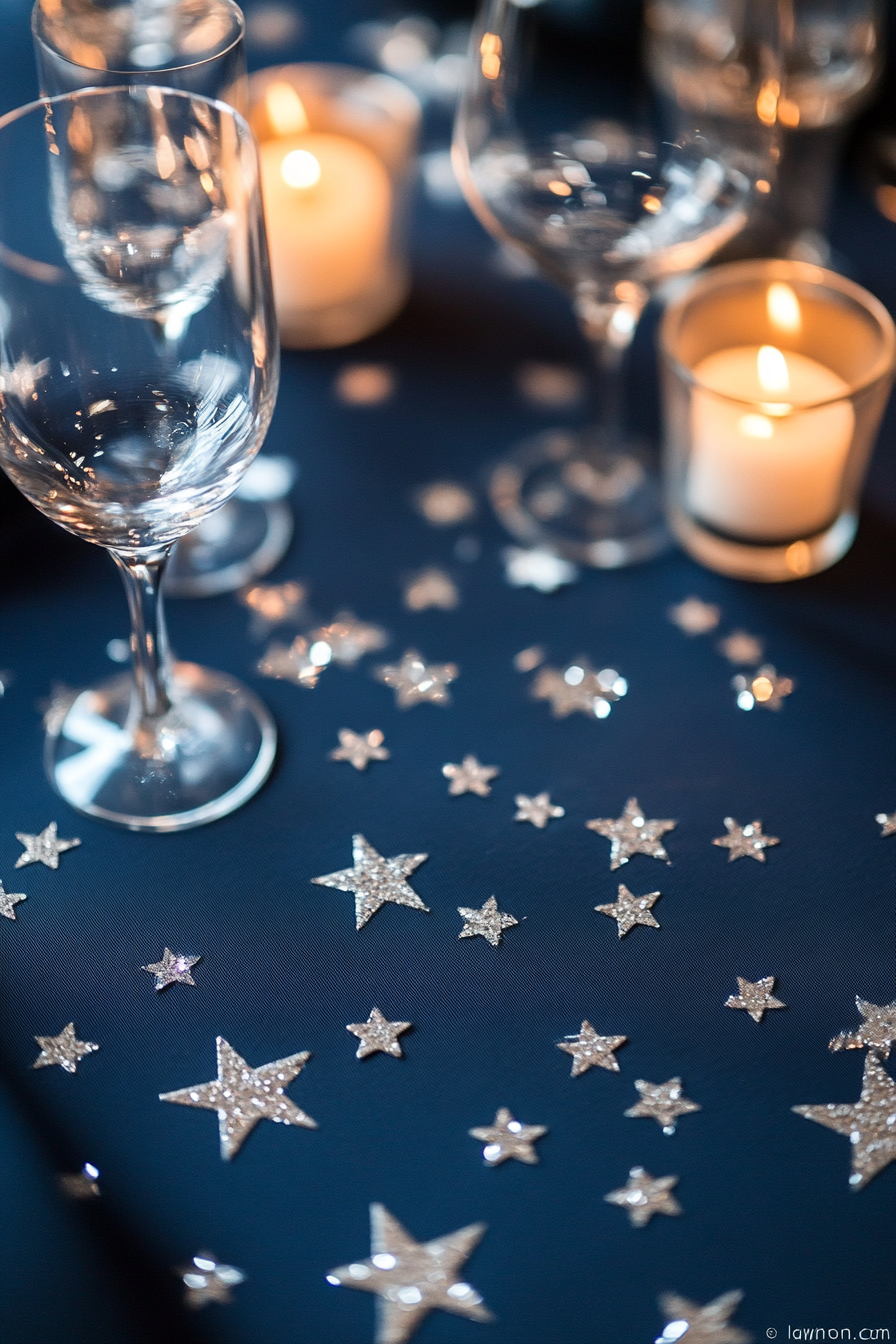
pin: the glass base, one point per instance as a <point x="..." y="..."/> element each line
<point x="591" y="503"/>
<point x="210" y="753"/>
<point x="764" y="562"/>
<point x="239" y="542"/>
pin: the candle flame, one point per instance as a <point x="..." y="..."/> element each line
<point x="756" y="427"/>
<point x="300" y="169"/>
<point x="285" y="109"/>
<point x="771" y="367"/>
<point x="783" y="308"/>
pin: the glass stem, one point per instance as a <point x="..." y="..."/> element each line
<point x="149" y="642"/>
<point x="608" y="325"/>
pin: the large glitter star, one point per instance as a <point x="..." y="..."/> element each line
<point x="702" y="1325"/>
<point x="349" y="639"/>
<point x="589" y="1050"/>
<point x="65" y="1050"/>
<point x="644" y="1195"/>
<point x="360" y="748"/>
<point x="764" y="688"/>
<point x="869" y="1123"/>
<point x="412" y="1278"/>
<point x="378" y="1033"/>
<point x="694" y="616"/>
<point x="293" y="663"/>
<point x="431" y="588"/>
<point x="173" y="969"/>
<point x="579" y="687"/>
<point x="878" y="1029"/>
<point x="375" y="880"/>
<point x="488" y="922"/>
<point x="205" y="1279"/>
<point x="470" y="777"/>
<point x="242" y="1095"/>
<point x="745" y="842"/>
<point x="662" y="1102"/>
<point x="632" y="834"/>
<point x="415" y="681"/>
<point x="539" y="810"/>
<point x="9" y="900"/>
<point x="507" y="1137"/>
<point x="887" y="823"/>
<point x="630" y="910"/>
<point x="44" y="848"/>
<point x="755" y="997"/>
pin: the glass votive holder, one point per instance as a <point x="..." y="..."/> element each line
<point x="775" y="378"/>
<point x="337" y="152"/>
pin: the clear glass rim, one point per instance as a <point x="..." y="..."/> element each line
<point x="734" y="274"/>
<point x="107" y="90"/>
<point x="237" y="14"/>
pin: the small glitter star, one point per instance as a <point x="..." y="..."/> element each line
<point x="763" y="688"/>
<point x="360" y="748"/>
<point x="589" y="1050"/>
<point x="470" y="777"/>
<point x="644" y="1195"/>
<point x="887" y="823"/>
<point x="65" y="1050"/>
<point x="9" y="900"/>
<point x="173" y="969"/>
<point x="745" y="842"/>
<point x="508" y="1138"/>
<point x="630" y="910"/>
<point x="878" y="1029"/>
<point x="488" y="923"/>
<point x="375" y="880"/>
<point x="741" y="649"/>
<point x="869" y="1123"/>
<point x="703" y="1325"/>
<point x="349" y="639"/>
<point x="695" y="617"/>
<point x="293" y="663"/>
<point x="205" y="1280"/>
<point x="632" y="834"/>
<point x="413" y="1278"/>
<point x="274" y="604"/>
<point x="539" y="810"/>
<point x="662" y="1102"/>
<point x="415" y="681"/>
<point x="242" y="1095"/>
<point x="43" y="848"/>
<point x="378" y="1033"/>
<point x="537" y="568"/>
<point x="444" y="503"/>
<point x="431" y="588"/>
<point x="755" y="997"/>
<point x="578" y="688"/>
<point x="81" y="1184"/>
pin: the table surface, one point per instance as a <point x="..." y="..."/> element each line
<point x="766" y="1203"/>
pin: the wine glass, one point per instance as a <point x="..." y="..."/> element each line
<point x="195" y="45"/>
<point x="561" y="158"/>
<point x="138" y="374"/>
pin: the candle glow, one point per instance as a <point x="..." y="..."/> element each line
<point x="300" y="169"/>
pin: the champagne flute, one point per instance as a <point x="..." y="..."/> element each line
<point x="138" y="374"/>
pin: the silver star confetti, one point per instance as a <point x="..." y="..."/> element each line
<point x="764" y="688"/>
<point x="702" y="1325"/>
<point x="9" y="900"/>
<point x="742" y="649"/>
<point x="694" y="616"/>
<point x="415" y="681"/>
<point x="44" y="848"/>
<point x="878" y="1029"/>
<point x="349" y="639"/>
<point x="507" y="1137"/>
<point x="755" y="997"/>
<point x="360" y="748"/>
<point x="412" y="1278"/>
<point x="81" y="1184"/>
<point x="431" y="588"/>
<point x="470" y="777"/>
<point x="537" y="568"/>
<point x="590" y="1051"/>
<point x="205" y="1280"/>
<point x="378" y="1034"/>
<point x="489" y="922"/>
<point x="65" y="1050"/>
<point x="644" y="1195"/>
<point x="274" y="604"/>
<point x="375" y="880"/>
<point x="173" y="969"/>
<point x="629" y="910"/>
<point x="887" y="823"/>
<point x="662" y="1102"/>
<point x="299" y="663"/>
<point x="242" y="1095"/>
<point x="578" y="688"/>
<point x="444" y="503"/>
<point x="632" y="834"/>
<point x="869" y="1123"/>
<point x="539" y="810"/>
<point x="745" y="842"/>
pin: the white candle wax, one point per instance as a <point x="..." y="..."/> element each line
<point x="772" y="469"/>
